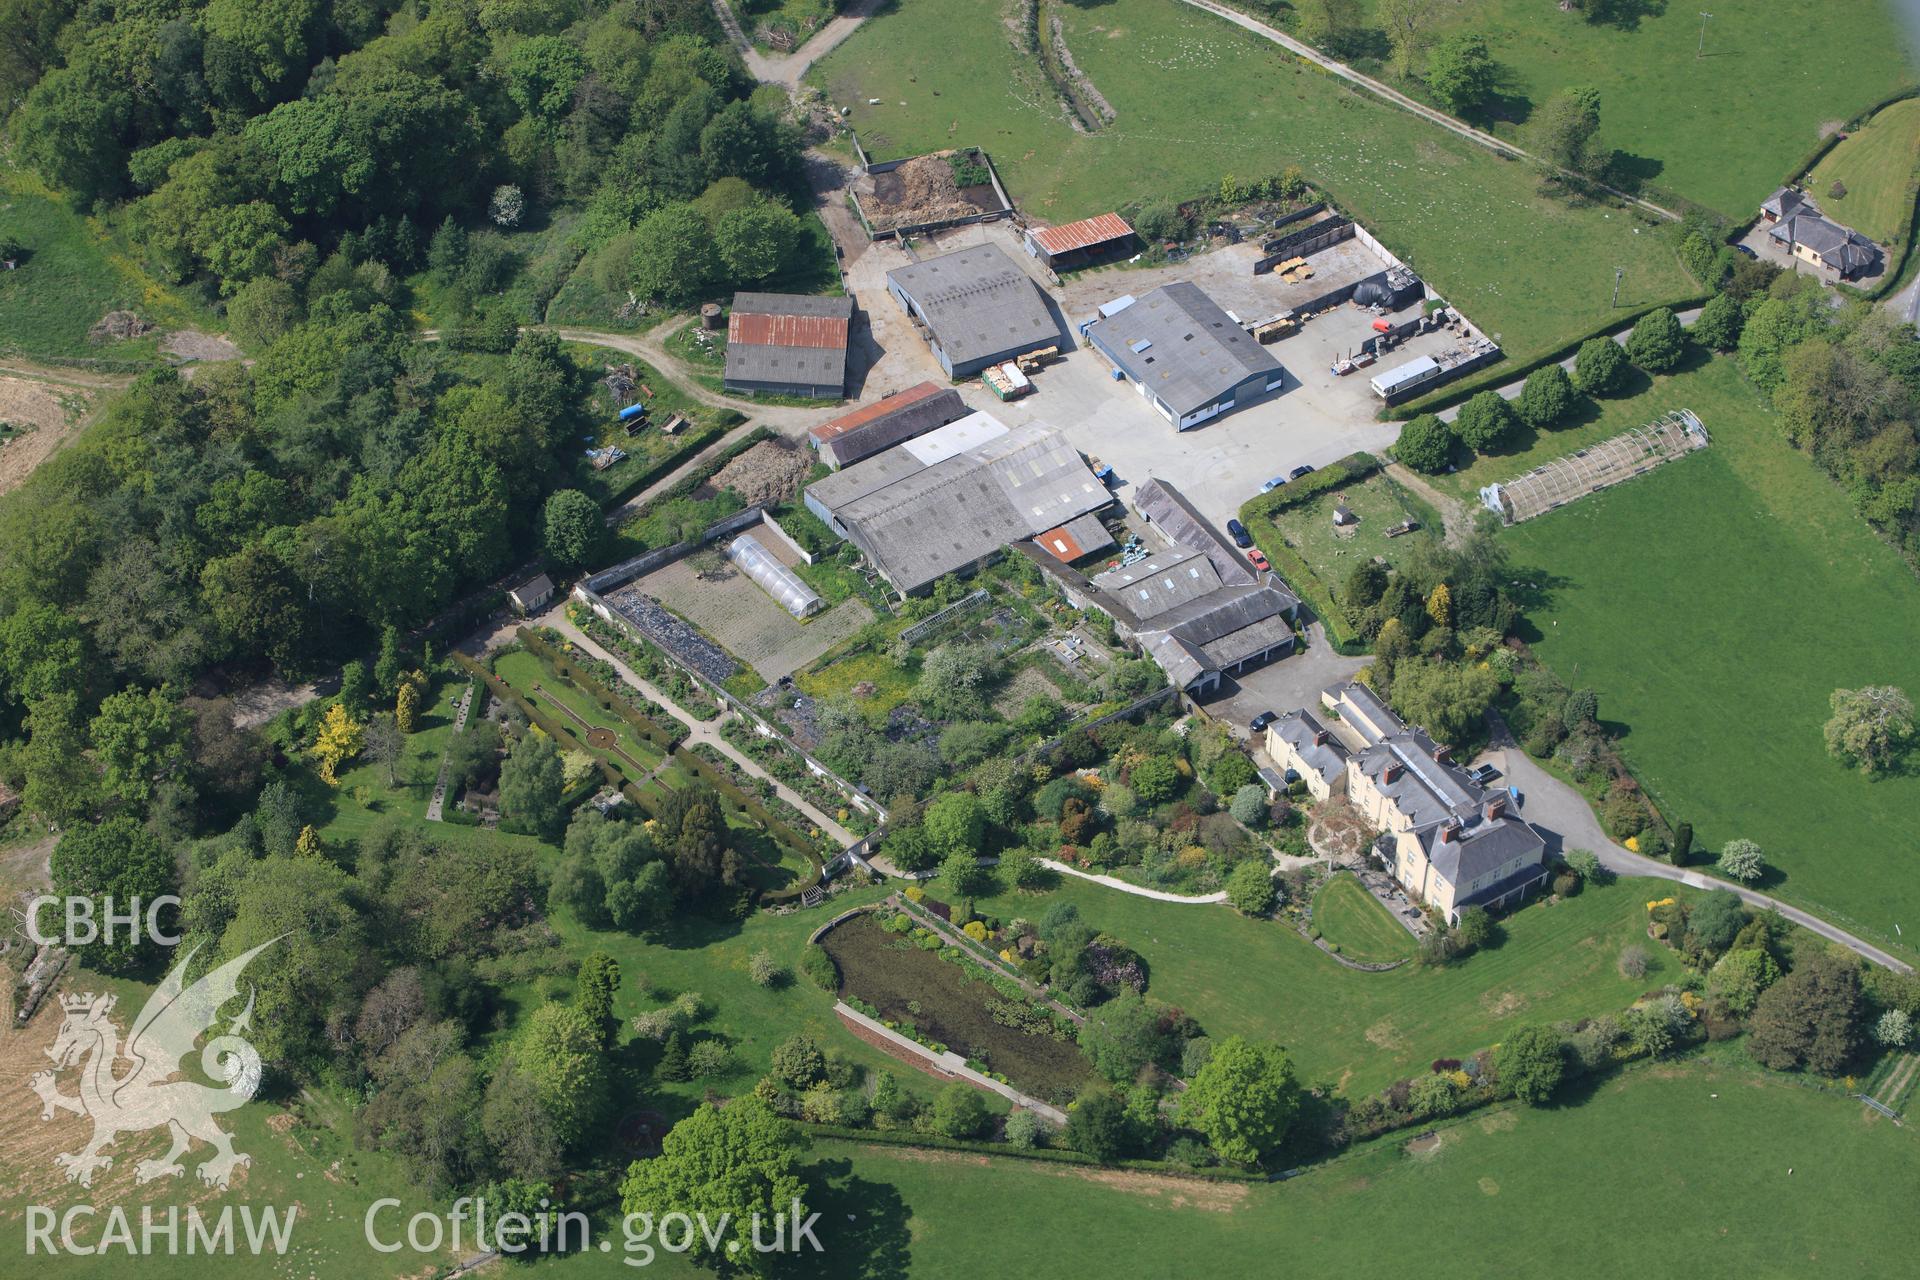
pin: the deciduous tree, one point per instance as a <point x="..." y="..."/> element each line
<point x="119" y="866"/>
<point x="1871" y="727"/>
<point x="1599" y="366"/>
<point x="1657" y="343"/>
<point x="735" y="1167"/>
<point x="1529" y="1063"/>
<point x="1546" y="397"/>
<point x="1461" y="72"/>
<point x="1425" y="444"/>
<point x="1243" y="1099"/>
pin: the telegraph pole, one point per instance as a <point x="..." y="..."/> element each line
<point x="1701" y="51"/>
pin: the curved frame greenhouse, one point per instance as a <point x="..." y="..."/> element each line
<point x="1632" y="453"/>
<point x="774" y="578"/>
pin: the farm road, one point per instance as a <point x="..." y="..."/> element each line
<point x="787" y="68"/>
<point x="1430" y="114"/>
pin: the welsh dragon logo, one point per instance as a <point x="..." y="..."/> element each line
<point x="147" y="1096"/>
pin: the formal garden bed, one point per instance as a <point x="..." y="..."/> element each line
<point x="648" y="662"/>
<point x="784" y="762"/>
<point x="642" y="759"/>
<point x="896" y="970"/>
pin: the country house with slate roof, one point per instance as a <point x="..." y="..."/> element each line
<point x="1450" y="842"/>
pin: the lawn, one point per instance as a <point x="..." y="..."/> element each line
<point x="1715" y="604"/>
<point x="942" y="1002"/>
<point x="77" y="269"/>
<point x="1876" y="166"/>
<point x="1722" y="130"/>
<point x="1365" y="1030"/>
<point x="711" y="957"/>
<point x="1197" y="99"/>
<point x="1353" y="920"/>
<point x="1380" y="503"/>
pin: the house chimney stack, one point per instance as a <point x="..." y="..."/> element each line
<point x="1443" y="753"/>
<point x="1496" y="807"/>
<point x="1319" y="737"/>
<point x="1393" y="772"/>
<point x="1450" y="833"/>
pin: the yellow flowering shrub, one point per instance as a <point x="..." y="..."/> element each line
<point x="1633" y="843"/>
<point x="1191" y="856"/>
<point x="975" y="930"/>
<point x="1461" y="1079"/>
<point x="915" y="893"/>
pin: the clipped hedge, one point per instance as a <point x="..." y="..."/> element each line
<point x="1503" y="372"/>
<point x="1047" y="1155"/>
<point x="609" y="700"/>
<point x="1257" y="514"/>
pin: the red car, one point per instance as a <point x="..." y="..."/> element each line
<point x="1259" y="559"/>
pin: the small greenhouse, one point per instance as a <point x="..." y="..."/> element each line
<point x="778" y="581"/>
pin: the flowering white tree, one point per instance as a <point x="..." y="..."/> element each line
<point x="1894" y="1029"/>
<point x="508" y="205"/>
<point x="1741" y="860"/>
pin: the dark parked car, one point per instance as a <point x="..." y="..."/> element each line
<point x="1261" y="721"/>
<point x="1743" y="249"/>
<point x="1297" y="472"/>
<point x="1238" y="532"/>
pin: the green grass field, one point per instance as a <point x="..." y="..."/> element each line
<point x="1364" y="1030"/>
<point x="1352" y="919"/>
<point x="76" y="270"/>
<point x="1197" y="99"/>
<point x="1722" y="130"/>
<point x="1644" y="1176"/>
<point x="1877" y="166"/>
<point x="1715" y="604"/>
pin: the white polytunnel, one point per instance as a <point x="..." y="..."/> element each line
<point x="778" y="581"/>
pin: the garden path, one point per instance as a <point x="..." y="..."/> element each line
<point x="707" y="731"/>
<point x="951" y="1063"/>
<point x="1136" y="890"/>
<point x="437" y="805"/>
